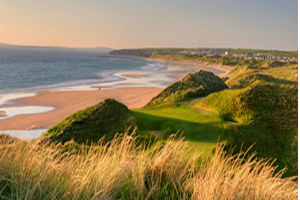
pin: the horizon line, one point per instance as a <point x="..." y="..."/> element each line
<point x="167" y="47"/>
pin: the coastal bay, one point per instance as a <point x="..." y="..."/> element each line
<point x="134" y="89"/>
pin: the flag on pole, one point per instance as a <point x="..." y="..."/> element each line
<point x="169" y="111"/>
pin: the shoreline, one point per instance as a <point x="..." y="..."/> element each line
<point x="225" y="68"/>
<point x="187" y="63"/>
<point x="135" y="91"/>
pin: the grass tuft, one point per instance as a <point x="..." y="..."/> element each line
<point x="121" y="169"/>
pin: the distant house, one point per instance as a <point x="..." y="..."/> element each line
<point x="249" y="55"/>
<point x="227" y="53"/>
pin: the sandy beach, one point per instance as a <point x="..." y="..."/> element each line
<point x="69" y="102"/>
<point x="63" y="103"/>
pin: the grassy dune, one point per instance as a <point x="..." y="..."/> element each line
<point x="122" y="170"/>
<point x="89" y="125"/>
<point x="267" y="116"/>
<point x="191" y="86"/>
<point x="272" y="72"/>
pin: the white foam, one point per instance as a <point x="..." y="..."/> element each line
<point x="151" y="77"/>
<point x="24" y="110"/>
<point x="25" y="134"/>
<point x="148" y="79"/>
<point x="155" y="66"/>
<point x="5" y="98"/>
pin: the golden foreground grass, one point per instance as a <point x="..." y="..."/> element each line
<point x="122" y="169"/>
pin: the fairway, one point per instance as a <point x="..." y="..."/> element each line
<point x="201" y="128"/>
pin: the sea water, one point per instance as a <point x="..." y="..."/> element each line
<point x="25" y="69"/>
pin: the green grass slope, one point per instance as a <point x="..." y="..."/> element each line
<point x="267" y="114"/>
<point x="193" y="85"/>
<point x="105" y="119"/>
<point x="202" y="128"/>
<point x="273" y="72"/>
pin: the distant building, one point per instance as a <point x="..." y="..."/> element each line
<point x="249" y="55"/>
<point x="227" y="53"/>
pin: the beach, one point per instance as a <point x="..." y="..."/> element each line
<point x="69" y="102"/>
<point x="135" y="91"/>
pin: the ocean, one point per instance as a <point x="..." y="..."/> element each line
<point x="23" y="69"/>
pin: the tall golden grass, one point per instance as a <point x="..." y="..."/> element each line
<point x="123" y="170"/>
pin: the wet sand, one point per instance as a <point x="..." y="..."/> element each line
<point x="133" y="75"/>
<point x="2" y="113"/>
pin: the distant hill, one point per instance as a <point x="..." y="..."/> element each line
<point x="4" y="45"/>
<point x="94" y="49"/>
<point x="105" y="119"/>
<point x="149" y="52"/>
<point x="193" y="85"/>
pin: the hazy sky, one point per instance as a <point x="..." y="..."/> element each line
<point x="263" y="24"/>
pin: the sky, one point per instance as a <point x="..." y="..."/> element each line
<point x="256" y="24"/>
